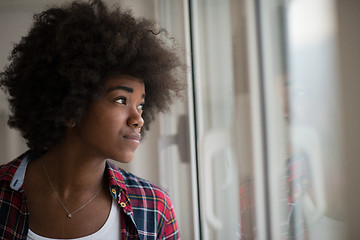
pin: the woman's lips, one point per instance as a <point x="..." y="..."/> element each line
<point x="133" y="137"/>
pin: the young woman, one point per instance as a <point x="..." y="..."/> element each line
<point x="77" y="87"/>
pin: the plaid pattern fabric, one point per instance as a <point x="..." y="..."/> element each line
<point x="147" y="209"/>
<point x="247" y="228"/>
<point x="295" y="185"/>
<point x="14" y="217"/>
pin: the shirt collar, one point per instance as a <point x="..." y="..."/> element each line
<point x="8" y="170"/>
<point x="117" y="185"/>
<point x="18" y="179"/>
<point x="14" y="171"/>
<point x="119" y="189"/>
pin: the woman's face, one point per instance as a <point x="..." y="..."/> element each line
<point x="111" y="127"/>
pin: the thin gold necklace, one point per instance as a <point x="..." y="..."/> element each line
<point x="69" y="214"/>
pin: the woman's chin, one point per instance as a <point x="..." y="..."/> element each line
<point x="124" y="159"/>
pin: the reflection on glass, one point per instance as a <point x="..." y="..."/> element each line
<point x="312" y="178"/>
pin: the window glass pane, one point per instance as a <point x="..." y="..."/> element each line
<point x="301" y="76"/>
<point x="314" y="120"/>
<point x="223" y="119"/>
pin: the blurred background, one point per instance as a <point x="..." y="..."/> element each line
<point x="264" y="144"/>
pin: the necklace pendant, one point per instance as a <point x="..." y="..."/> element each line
<point x="69" y="215"/>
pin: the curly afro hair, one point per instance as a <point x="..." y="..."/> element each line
<point x="61" y="66"/>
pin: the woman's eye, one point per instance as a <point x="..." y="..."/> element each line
<point x="121" y="100"/>
<point x="141" y="107"/>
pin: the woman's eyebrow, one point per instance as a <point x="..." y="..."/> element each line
<point x="127" y="89"/>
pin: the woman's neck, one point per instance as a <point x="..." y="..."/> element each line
<point x="71" y="170"/>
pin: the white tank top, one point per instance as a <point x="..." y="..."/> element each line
<point x="110" y="230"/>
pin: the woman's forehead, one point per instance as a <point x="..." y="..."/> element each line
<point x="126" y="83"/>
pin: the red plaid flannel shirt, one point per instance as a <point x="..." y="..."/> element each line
<point x="147" y="212"/>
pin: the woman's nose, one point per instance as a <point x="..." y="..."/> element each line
<point x="135" y="119"/>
